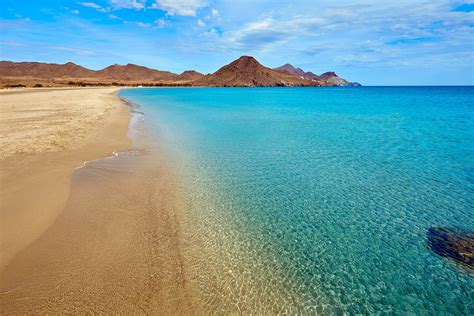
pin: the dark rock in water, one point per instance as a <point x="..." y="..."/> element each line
<point x="454" y="244"/>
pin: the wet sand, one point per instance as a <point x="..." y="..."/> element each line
<point x="114" y="249"/>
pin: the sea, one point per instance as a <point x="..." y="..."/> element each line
<point x="317" y="200"/>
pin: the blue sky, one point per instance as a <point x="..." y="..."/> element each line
<point x="412" y="42"/>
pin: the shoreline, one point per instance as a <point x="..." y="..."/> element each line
<point x="50" y="134"/>
<point x="115" y="247"/>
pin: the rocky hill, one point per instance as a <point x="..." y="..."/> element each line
<point x="248" y="72"/>
<point x="131" y="72"/>
<point x="333" y="79"/>
<point x="298" y="72"/>
<point x="44" y="70"/>
<point x="190" y="75"/>
<point x="330" y="78"/>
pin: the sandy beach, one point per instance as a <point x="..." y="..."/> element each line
<point x="104" y="238"/>
<point x="46" y="135"/>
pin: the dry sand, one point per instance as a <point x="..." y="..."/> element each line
<point x="45" y="135"/>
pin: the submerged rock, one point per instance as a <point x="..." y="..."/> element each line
<point x="454" y="244"/>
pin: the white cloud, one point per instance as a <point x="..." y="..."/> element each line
<point x="339" y="32"/>
<point x="127" y="4"/>
<point x="180" y="7"/>
<point x="215" y="13"/>
<point x="201" y="23"/>
<point x="139" y="24"/>
<point x="259" y="25"/>
<point x="142" y="24"/>
<point x="75" y="11"/>
<point x="116" y="5"/>
<point x="90" y="5"/>
<point x="160" y="23"/>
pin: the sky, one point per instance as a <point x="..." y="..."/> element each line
<point x="403" y="42"/>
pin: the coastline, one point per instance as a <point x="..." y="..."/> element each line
<point x="48" y="134"/>
<point x="123" y="229"/>
<point x="154" y="229"/>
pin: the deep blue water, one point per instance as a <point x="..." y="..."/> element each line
<point x="331" y="190"/>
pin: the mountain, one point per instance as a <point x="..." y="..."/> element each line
<point x="330" y="78"/>
<point x="297" y="72"/>
<point x="248" y="72"/>
<point x="245" y="71"/>
<point x="334" y="80"/>
<point x="131" y="72"/>
<point x="292" y="70"/>
<point x="43" y="70"/>
<point x="311" y="76"/>
<point x="190" y="75"/>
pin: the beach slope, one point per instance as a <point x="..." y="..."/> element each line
<point x="45" y="135"/>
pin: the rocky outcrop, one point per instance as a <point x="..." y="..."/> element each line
<point x="334" y="80"/>
<point x="454" y="244"/>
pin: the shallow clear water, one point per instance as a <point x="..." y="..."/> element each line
<point x="319" y="199"/>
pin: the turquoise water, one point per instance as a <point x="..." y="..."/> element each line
<point x="319" y="199"/>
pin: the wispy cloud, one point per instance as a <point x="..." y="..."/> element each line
<point x="92" y="5"/>
<point x="160" y="23"/>
<point x="76" y="51"/>
<point x="6" y="24"/>
<point x="157" y="24"/>
<point x="180" y="7"/>
<point x="345" y="29"/>
<point x="116" y="5"/>
<point x="139" y="24"/>
<point x="127" y="4"/>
